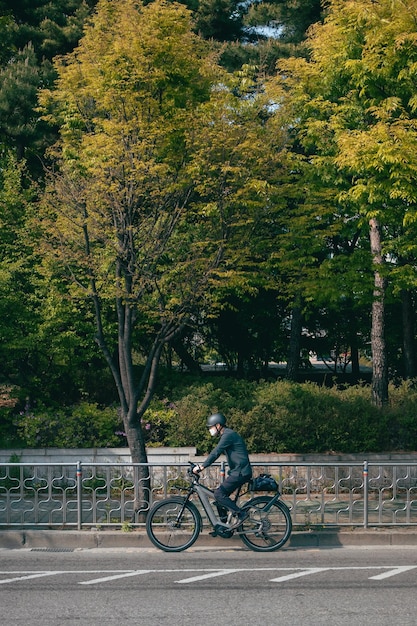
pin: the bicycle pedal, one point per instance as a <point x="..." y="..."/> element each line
<point x="216" y="530"/>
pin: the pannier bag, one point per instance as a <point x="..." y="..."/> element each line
<point x="264" y="482"/>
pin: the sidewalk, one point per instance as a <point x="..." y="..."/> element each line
<point x="62" y="540"/>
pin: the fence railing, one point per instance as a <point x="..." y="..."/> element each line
<point x="80" y="495"/>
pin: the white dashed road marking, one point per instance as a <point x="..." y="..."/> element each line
<point x="28" y="577"/>
<point x="277" y="574"/>
<point x="96" y="581"/>
<point x="306" y="572"/>
<point x="210" y="575"/>
<point x="393" y="572"/>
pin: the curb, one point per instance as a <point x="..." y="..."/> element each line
<point x="62" y="540"/>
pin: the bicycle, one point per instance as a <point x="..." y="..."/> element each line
<point x="174" y="524"/>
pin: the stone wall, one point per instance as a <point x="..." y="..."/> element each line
<point x="182" y="455"/>
<point x="95" y="455"/>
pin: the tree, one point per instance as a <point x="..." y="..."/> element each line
<point x="381" y="155"/>
<point x="219" y="19"/>
<point x="117" y="213"/>
<point x="356" y="101"/>
<point x="51" y="27"/>
<point x="240" y="166"/>
<point x="18" y="303"/>
<point x="294" y="17"/>
<point x="19" y="82"/>
<point x="32" y="33"/>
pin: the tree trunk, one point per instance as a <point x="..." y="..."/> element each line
<point x="134" y="395"/>
<point x="240" y="365"/>
<point x="353" y="343"/>
<point x="354" y="359"/>
<point x="187" y="359"/>
<point x="408" y="334"/>
<point x="138" y="453"/>
<point x="379" y="359"/>
<point x="293" y="361"/>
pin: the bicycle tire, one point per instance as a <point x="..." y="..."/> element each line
<point x="266" y="531"/>
<point x="170" y="533"/>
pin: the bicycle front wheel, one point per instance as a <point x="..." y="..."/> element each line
<point x="173" y="524"/>
<point x="266" y="530"/>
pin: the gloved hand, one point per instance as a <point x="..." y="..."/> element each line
<point x="197" y="469"/>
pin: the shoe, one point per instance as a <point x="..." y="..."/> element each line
<point x="240" y="518"/>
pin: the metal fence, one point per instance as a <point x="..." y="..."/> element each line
<point x="80" y="495"/>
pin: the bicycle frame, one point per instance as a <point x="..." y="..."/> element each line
<point x="204" y="494"/>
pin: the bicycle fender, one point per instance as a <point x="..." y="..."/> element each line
<point x="262" y="499"/>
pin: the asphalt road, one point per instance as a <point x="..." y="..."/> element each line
<point x="207" y="587"/>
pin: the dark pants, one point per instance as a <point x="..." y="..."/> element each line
<point x="222" y="493"/>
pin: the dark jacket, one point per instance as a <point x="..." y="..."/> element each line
<point x="232" y="445"/>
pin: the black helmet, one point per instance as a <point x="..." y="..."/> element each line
<point x="216" y="418"/>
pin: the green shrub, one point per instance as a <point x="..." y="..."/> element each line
<point x="286" y="417"/>
<point x="305" y="418"/>
<point x="402" y="416"/>
<point x="80" y="426"/>
<point x="8" y="435"/>
<point x="190" y="410"/>
<point x="275" y="416"/>
<point x="157" y="423"/>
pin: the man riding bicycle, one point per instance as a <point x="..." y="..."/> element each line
<point x="240" y="471"/>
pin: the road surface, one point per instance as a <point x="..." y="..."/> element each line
<point x="207" y="587"/>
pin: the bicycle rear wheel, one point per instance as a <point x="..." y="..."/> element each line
<point x="265" y="531"/>
<point x="173" y="524"/>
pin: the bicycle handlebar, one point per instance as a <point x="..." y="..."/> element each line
<point x="192" y="473"/>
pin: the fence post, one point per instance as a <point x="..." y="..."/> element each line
<point x="222" y="471"/>
<point x="365" y="494"/>
<point x="79" y="475"/>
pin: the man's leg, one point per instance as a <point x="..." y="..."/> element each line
<point x="223" y="491"/>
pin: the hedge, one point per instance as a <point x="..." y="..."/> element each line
<point x="277" y="416"/>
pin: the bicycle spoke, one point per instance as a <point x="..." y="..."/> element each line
<point x="173" y="526"/>
<point x="266" y="530"/>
